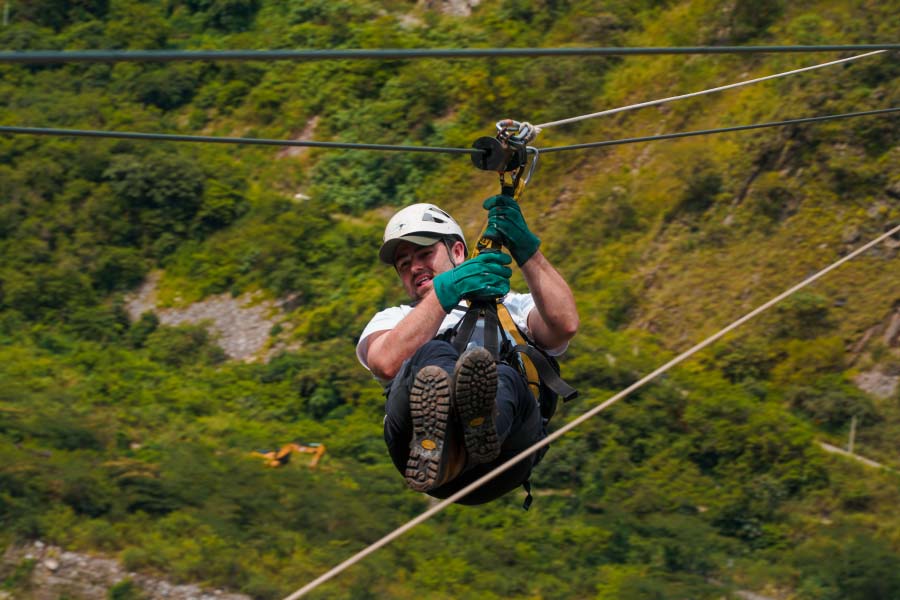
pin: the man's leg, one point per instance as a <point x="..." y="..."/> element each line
<point x="475" y="396"/>
<point x="398" y="421"/>
<point x="519" y="423"/>
<point x="518" y="426"/>
<point x="431" y="445"/>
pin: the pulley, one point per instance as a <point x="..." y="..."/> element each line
<point x="507" y="154"/>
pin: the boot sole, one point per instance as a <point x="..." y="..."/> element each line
<point x="475" y="396"/>
<point x="429" y="405"/>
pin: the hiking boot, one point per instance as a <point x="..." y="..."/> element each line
<point x="475" y="394"/>
<point x="429" y="406"/>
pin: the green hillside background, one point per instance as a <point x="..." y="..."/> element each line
<point x="131" y="439"/>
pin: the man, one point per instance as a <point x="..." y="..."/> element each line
<point x="449" y="418"/>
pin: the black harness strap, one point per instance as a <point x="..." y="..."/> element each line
<point x="464" y="330"/>
<point x="479" y="309"/>
<point x="547" y="373"/>
<point x="491" y="328"/>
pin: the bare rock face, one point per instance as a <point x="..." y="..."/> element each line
<point x="880" y="385"/>
<point x="457" y="8"/>
<point x="892" y="331"/>
<point x="881" y="377"/>
<point x="56" y="573"/>
<point x="241" y="325"/>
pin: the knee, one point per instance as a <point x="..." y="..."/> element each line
<point x="512" y="380"/>
<point x="434" y="352"/>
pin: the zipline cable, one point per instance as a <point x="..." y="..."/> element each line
<point x="110" y="56"/>
<point x="669" y="136"/>
<point x="168" y="137"/>
<point x="581" y="419"/>
<point x="131" y="135"/>
<point x="613" y="111"/>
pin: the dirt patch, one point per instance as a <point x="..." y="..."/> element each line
<point x="55" y="573"/>
<point x="878" y="384"/>
<point x="304" y="136"/>
<point x="241" y="325"/>
<point x="456" y="8"/>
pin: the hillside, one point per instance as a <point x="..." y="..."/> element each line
<point x="127" y="433"/>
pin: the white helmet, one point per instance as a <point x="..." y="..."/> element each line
<point x="421" y="224"/>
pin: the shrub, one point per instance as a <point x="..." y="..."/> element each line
<point x="225" y="15"/>
<point x="855" y="567"/>
<point x="831" y="401"/>
<point x="158" y="193"/>
<point x="805" y="315"/>
<point x="141" y="329"/>
<point x="125" y="590"/>
<point x="183" y="345"/>
<point x="703" y="184"/>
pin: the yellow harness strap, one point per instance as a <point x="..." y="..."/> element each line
<point x="531" y="372"/>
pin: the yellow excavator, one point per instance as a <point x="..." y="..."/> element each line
<point x="282" y="456"/>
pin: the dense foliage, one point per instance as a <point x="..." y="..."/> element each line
<point x="133" y="439"/>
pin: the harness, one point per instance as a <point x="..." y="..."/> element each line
<point x="539" y="369"/>
<point x="507" y="154"/>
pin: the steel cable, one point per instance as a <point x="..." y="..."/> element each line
<point x="112" y="56"/>
<point x="131" y="135"/>
<point x="168" y="137"/>
<point x="669" y="136"/>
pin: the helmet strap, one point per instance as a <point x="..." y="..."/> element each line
<point x="449" y="243"/>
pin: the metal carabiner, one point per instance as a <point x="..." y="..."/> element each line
<point x="533" y="166"/>
<point x="515" y="132"/>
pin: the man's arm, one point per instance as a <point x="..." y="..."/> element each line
<point x="555" y="320"/>
<point x="484" y="275"/>
<point x="388" y="349"/>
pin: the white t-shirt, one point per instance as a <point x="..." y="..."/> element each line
<point x="519" y="305"/>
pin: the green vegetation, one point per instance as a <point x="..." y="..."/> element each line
<point x="133" y="439"/>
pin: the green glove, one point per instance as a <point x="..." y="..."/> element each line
<point x="507" y="225"/>
<point x="484" y="275"/>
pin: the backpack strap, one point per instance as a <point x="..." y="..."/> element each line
<point x="528" y="497"/>
<point x="548" y="374"/>
<point x="538" y="368"/>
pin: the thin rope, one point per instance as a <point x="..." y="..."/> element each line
<point x="613" y="111"/>
<point x="576" y="422"/>
<point x="132" y="135"/>
<point x="669" y="136"/>
<point x="109" y="56"/>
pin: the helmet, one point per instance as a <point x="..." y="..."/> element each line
<point x="421" y="224"/>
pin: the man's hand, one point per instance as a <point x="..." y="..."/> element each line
<point x="484" y="275"/>
<point x="507" y="225"/>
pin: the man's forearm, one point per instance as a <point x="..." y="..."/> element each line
<point x="556" y="321"/>
<point x="388" y="351"/>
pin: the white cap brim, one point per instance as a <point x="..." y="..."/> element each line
<point x="386" y="254"/>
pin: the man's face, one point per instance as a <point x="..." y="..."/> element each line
<point x="417" y="266"/>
